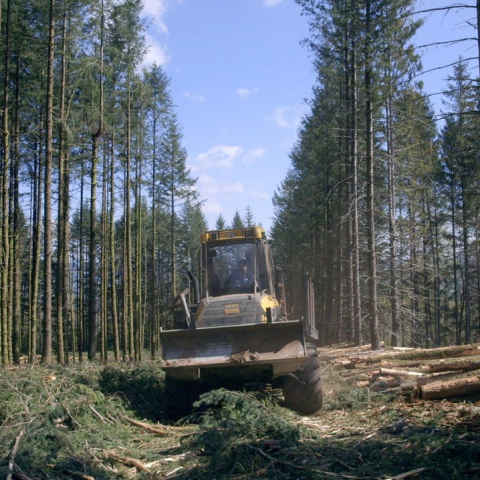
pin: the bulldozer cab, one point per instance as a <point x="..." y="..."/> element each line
<point x="236" y="261"/>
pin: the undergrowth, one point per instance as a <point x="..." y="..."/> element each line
<point x="89" y="421"/>
<point x="235" y="425"/>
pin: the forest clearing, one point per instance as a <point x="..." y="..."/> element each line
<point x="101" y="220"/>
<point x="90" y="421"/>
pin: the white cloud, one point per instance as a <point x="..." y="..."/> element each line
<point x="288" y="117"/>
<point x="156" y="53"/>
<point x="157" y="31"/>
<point x="252" y="155"/>
<point x="196" y="97"/>
<point x="212" y="205"/>
<point x="154" y="10"/>
<point x="209" y="187"/>
<point x="246" y="92"/>
<point x="272" y="3"/>
<point x="262" y="195"/>
<point x="218" y="156"/>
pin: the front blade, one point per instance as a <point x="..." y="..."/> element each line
<point x="281" y="345"/>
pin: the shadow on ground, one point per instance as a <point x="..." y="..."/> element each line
<point x="141" y="386"/>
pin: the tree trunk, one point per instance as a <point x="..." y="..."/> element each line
<point x="17" y="309"/>
<point x="81" y="262"/>
<point x="92" y="294"/>
<point x="113" y="280"/>
<point x="47" y="303"/>
<point x="128" y="285"/>
<point x="466" y="269"/>
<point x="371" y="255"/>
<point x="5" y="290"/>
<point x="392" y="233"/>
<point x="36" y="251"/>
<point x="354" y="188"/>
<point x="153" y="272"/>
<point x="61" y="240"/>
<point x="92" y="254"/>
<point x="104" y="265"/>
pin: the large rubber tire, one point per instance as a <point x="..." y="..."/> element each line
<point x="179" y="396"/>
<point x="302" y="389"/>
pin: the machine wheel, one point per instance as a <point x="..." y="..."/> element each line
<point x="302" y="389"/>
<point x="179" y="396"/>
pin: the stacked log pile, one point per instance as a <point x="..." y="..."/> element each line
<point x="429" y="374"/>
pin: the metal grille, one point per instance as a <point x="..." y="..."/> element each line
<point x="243" y="312"/>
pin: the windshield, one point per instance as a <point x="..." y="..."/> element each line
<point x="233" y="268"/>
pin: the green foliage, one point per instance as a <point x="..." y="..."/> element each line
<point x="220" y="223"/>
<point x="237" y="221"/>
<point x="52" y="412"/>
<point x="354" y="398"/>
<point x="234" y="422"/>
<point x="249" y="218"/>
<point x="65" y="424"/>
<point x="140" y="386"/>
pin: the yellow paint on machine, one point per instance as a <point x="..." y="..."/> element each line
<point x="268" y="302"/>
<point x="231" y="310"/>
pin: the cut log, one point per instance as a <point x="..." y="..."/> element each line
<point x="399" y="373"/>
<point x="442" y="352"/>
<point x="348" y="364"/>
<point x="328" y="354"/>
<point x="434" y="377"/>
<point x="400" y="364"/>
<point x="450" y="388"/>
<point x="408" y="388"/>
<point x="463" y="366"/>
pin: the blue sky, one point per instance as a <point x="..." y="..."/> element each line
<point x="239" y="79"/>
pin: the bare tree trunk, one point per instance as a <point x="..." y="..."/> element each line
<point x="81" y="261"/>
<point x="354" y="188"/>
<point x="61" y="240"/>
<point x="350" y="318"/>
<point x="371" y="255"/>
<point x="153" y="270"/>
<point x="36" y="234"/>
<point x="17" y="309"/>
<point x="172" y="241"/>
<point x="111" y="220"/>
<point x="92" y="294"/>
<point x="458" y="332"/>
<point x="47" y="303"/>
<point x="138" y="255"/>
<point x="92" y="254"/>
<point x="5" y="289"/>
<point x="128" y="286"/>
<point x="104" y="266"/>
<point x="392" y="228"/>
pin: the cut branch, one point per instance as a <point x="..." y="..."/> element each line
<point x="128" y="461"/>
<point x="11" y="462"/>
<point x="146" y="426"/>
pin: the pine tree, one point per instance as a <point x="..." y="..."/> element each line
<point x="248" y="219"/>
<point x="461" y="173"/>
<point x="220" y="223"/>
<point x="177" y="185"/>
<point x="237" y="221"/>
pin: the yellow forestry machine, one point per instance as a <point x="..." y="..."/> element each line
<point x="237" y="332"/>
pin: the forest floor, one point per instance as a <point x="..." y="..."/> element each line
<point x="89" y="421"/>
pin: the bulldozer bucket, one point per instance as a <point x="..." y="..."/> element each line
<point x="186" y="353"/>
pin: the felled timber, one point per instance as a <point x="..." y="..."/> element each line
<point x="450" y="388"/>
